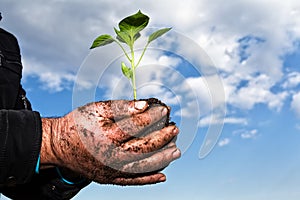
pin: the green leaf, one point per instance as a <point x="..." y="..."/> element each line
<point x="123" y="36"/>
<point x="134" y="24"/>
<point x="157" y="34"/>
<point x="102" y="40"/>
<point x="126" y="71"/>
<point x="137" y="36"/>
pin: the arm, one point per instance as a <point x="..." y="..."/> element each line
<point x="20" y="141"/>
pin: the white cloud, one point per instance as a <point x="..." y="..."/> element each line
<point x="247" y="46"/>
<point x="257" y="90"/>
<point x="169" y="61"/>
<point x="251" y="18"/>
<point x="52" y="80"/>
<point x="65" y="35"/>
<point x="293" y="80"/>
<point x="246" y="134"/>
<point x="233" y="120"/>
<point x="224" y="142"/>
<point x="198" y="85"/>
<point x="208" y="120"/>
<point x="295" y="105"/>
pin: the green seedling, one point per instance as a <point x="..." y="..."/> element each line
<point x="129" y="31"/>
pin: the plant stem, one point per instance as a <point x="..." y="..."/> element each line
<point x="132" y="66"/>
<point x="142" y="54"/>
<point x="133" y="72"/>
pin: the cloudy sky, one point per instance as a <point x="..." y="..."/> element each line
<point x="230" y="71"/>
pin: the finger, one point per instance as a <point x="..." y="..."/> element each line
<point x="140" y="148"/>
<point x="153" y="163"/>
<point x="132" y="126"/>
<point x="151" y="142"/>
<point x="116" y="109"/>
<point x="143" y="180"/>
<point x="171" y="144"/>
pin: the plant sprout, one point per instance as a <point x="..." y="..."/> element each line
<point x="129" y="31"/>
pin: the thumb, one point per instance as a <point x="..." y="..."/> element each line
<point x="116" y="109"/>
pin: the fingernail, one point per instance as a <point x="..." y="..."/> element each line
<point x="176" y="154"/>
<point x="175" y="130"/>
<point x="139" y="105"/>
<point x="162" y="179"/>
<point x="164" y="111"/>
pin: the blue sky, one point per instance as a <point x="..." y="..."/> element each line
<point x="240" y="54"/>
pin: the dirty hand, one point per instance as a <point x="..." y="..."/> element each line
<point x="108" y="142"/>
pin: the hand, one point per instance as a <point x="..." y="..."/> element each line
<point x="108" y="142"/>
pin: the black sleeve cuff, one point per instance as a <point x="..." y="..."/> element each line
<point x="20" y="143"/>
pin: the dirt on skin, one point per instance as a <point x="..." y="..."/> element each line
<point x="105" y="157"/>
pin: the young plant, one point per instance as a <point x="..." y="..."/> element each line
<point x="129" y="31"/>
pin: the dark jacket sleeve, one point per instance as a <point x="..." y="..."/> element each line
<point x="20" y="133"/>
<point x="20" y="142"/>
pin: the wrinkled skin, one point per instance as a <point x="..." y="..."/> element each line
<point x="107" y="142"/>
